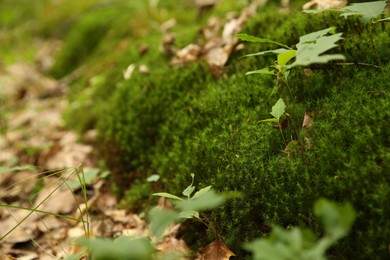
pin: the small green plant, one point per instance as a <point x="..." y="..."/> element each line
<point x="365" y="11"/>
<point x="309" y="50"/>
<point x="302" y="244"/>
<point x="277" y="112"/>
<point x="141" y="248"/>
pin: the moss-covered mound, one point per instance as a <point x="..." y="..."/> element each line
<point x="180" y="120"/>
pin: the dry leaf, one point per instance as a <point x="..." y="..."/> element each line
<point x="129" y="71"/>
<point x="143" y="69"/>
<point x="217" y="250"/>
<point x="188" y="54"/>
<point x="167" y="25"/>
<point x="26" y="231"/>
<point x="307" y="121"/>
<point x="61" y="201"/>
<point x="325" y="4"/>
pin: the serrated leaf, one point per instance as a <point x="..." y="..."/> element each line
<point x="250" y="38"/>
<point x="264" y="71"/>
<point x="278" y="109"/>
<point x="167" y="195"/>
<point x="311" y="46"/>
<point x="285" y="57"/>
<point x="337" y="219"/>
<point x="366" y="11"/>
<point x="201" y="192"/>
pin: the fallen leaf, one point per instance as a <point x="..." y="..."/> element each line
<point x="325" y="4"/>
<point x="143" y="69"/>
<point x="217" y="250"/>
<point x="307" y="121"/>
<point x="129" y="71"/>
<point x="54" y="199"/>
<point x="188" y="54"/>
<point x="167" y="25"/>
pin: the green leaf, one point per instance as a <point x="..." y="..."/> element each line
<point x="337" y="219"/>
<point x="189" y="214"/>
<point x="201" y="192"/>
<point x="278" y="109"/>
<point x="384" y="20"/>
<point x="167" y="195"/>
<point x="160" y="220"/>
<point x="272" y="120"/>
<point x="4" y="169"/>
<point x="153" y="178"/>
<point x="276" y="51"/>
<point x="366" y="11"/>
<point x="250" y="38"/>
<point x="265" y="71"/>
<point x="89" y="178"/>
<point x="121" y="248"/>
<point x="207" y="201"/>
<point x="285" y="57"/>
<point x="190" y="189"/>
<point x="312" y="45"/>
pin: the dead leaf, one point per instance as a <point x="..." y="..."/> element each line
<point x="217" y="250"/>
<point x="26" y="231"/>
<point x="188" y="54"/>
<point x="58" y="200"/>
<point x="143" y="69"/>
<point x="325" y="4"/>
<point x="307" y="121"/>
<point x="128" y="72"/>
<point x="167" y="25"/>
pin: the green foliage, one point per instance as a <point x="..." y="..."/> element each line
<point x="301" y="244"/>
<point x="139" y="248"/>
<point x="365" y="11"/>
<point x="203" y="199"/>
<point x="309" y="50"/>
<point x="277" y="111"/>
<point x="180" y="120"/>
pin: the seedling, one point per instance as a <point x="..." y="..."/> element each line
<point x="190" y="204"/>
<point x="301" y="244"/>
<point x="278" y="110"/>
<point x="310" y="49"/>
<point x="366" y="12"/>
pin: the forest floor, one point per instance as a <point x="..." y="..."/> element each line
<point x="36" y="136"/>
<point x="53" y="188"/>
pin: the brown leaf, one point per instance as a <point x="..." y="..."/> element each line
<point x="307" y="121"/>
<point x="188" y="54"/>
<point x="217" y="250"/>
<point x="325" y="4"/>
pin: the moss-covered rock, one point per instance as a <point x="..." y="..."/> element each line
<point x="179" y="120"/>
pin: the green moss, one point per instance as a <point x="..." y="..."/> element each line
<point x="179" y="120"/>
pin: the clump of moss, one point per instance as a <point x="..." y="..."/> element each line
<point x="182" y="121"/>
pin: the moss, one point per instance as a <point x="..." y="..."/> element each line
<point x="177" y="121"/>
